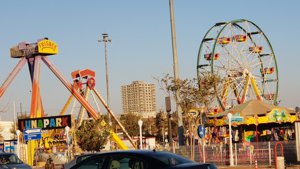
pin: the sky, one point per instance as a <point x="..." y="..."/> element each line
<point x="141" y="46"/>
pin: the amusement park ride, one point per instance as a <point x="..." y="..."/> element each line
<point x="237" y="51"/>
<point x="33" y="54"/>
<point x="241" y="55"/>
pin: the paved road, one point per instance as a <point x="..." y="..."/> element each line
<point x="221" y="167"/>
<point x="253" y="167"/>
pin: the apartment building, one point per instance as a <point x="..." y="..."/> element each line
<point x="140" y="98"/>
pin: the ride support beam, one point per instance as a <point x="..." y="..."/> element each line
<point x="234" y="88"/>
<point x="12" y="75"/>
<point x="64" y="109"/>
<point x="224" y="95"/>
<point x="246" y="87"/>
<point x="119" y="142"/>
<point x="36" y="109"/>
<point x="255" y="89"/>
<point x="114" y="117"/>
<point x="72" y="90"/>
<point x="81" y="112"/>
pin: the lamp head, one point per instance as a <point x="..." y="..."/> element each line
<point x="140" y="122"/>
<point x="229" y="115"/>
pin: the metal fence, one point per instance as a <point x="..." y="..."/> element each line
<point x="243" y="154"/>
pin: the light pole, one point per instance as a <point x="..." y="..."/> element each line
<point x="176" y="74"/>
<point x="18" y="132"/>
<point x="229" y="116"/>
<point x="67" y="129"/>
<point x="168" y="109"/>
<point x="106" y="40"/>
<point x="140" y="123"/>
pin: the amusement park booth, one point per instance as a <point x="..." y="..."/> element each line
<point x="256" y="120"/>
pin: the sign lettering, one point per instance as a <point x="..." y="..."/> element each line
<point x="45" y="123"/>
<point x="47" y="47"/>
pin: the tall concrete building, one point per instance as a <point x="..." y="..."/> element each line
<point x="140" y="98"/>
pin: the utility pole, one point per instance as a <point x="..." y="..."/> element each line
<point x="168" y="109"/>
<point x="176" y="74"/>
<point x="106" y="40"/>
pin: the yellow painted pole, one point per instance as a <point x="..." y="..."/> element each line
<point x="82" y="109"/>
<point x="67" y="105"/>
<point x="119" y="142"/>
<point x="225" y="92"/>
<point x="246" y="86"/>
<point x="114" y="117"/>
<point x="255" y="89"/>
<point x="234" y="88"/>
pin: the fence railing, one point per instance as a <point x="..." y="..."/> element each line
<point x="243" y="153"/>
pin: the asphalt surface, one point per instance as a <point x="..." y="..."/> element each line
<point x="220" y="167"/>
<point x="258" y="167"/>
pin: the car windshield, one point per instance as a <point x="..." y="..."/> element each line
<point x="83" y="157"/>
<point x="9" y="159"/>
<point x="171" y="159"/>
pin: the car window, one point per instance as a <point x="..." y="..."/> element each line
<point x="91" y="163"/>
<point x="81" y="158"/>
<point x="171" y="159"/>
<point x="126" y="162"/>
<point x="9" y="159"/>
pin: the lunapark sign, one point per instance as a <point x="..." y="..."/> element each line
<point x="45" y="123"/>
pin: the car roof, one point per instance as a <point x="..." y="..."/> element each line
<point x="1" y="153"/>
<point x="144" y="153"/>
<point x="137" y="152"/>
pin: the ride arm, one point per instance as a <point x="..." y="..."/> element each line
<point x="73" y="91"/>
<point x="12" y="75"/>
<point x="81" y="112"/>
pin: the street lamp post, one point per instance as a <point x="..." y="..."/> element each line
<point x="229" y="116"/>
<point x="176" y="74"/>
<point x="106" y="40"/>
<point x="140" y="123"/>
<point x="67" y="129"/>
<point x="18" y="132"/>
<point x="168" y="109"/>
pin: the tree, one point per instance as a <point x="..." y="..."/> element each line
<point x="193" y="93"/>
<point x="130" y="123"/>
<point x="92" y="135"/>
<point x="149" y="128"/>
<point x="162" y="125"/>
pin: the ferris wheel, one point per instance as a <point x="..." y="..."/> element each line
<point x="241" y="55"/>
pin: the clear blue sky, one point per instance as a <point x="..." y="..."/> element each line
<point x="141" y="42"/>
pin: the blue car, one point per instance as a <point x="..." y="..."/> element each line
<point x="12" y="161"/>
<point x="140" y="159"/>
